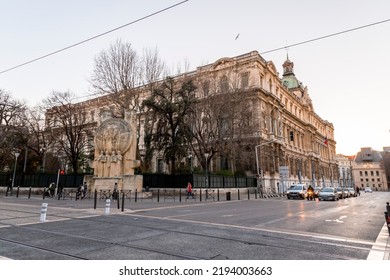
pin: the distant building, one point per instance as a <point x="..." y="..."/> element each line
<point x="368" y="170"/>
<point x="345" y="170"/>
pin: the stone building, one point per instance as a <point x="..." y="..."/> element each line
<point x="278" y="123"/>
<point x="345" y="170"/>
<point x="369" y="170"/>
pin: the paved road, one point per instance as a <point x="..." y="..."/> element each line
<point x="261" y="229"/>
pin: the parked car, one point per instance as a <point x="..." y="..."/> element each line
<point x="340" y="192"/>
<point x="367" y="190"/>
<point x="328" y="193"/>
<point x="352" y="192"/>
<point x="346" y="193"/>
<point x="297" y="191"/>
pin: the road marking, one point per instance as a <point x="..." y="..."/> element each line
<point x="287" y="232"/>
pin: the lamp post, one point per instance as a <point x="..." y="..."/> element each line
<point x="43" y="150"/>
<point x="207" y="176"/>
<point x="190" y="159"/>
<point x="13" y="177"/>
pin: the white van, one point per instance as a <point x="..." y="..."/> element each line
<point x="297" y="191"/>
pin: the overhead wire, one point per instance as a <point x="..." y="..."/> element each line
<point x="326" y="36"/>
<point x="92" y="38"/>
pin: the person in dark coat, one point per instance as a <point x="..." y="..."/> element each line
<point x="9" y="186"/>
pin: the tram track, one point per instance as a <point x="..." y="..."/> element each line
<point x="267" y="241"/>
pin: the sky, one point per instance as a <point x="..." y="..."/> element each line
<point x="346" y="75"/>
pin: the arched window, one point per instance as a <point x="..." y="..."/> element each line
<point x="224" y="84"/>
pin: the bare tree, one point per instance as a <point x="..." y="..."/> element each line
<point x="125" y="77"/>
<point x="220" y="121"/>
<point x="67" y="126"/>
<point x="171" y="104"/>
<point x="12" y="133"/>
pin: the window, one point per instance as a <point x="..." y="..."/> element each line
<point x="365" y="173"/>
<point x="245" y="80"/>
<point x="372" y="173"/>
<point x="361" y="173"/>
<point x="160" y="165"/>
<point x="206" y="88"/>
<point x="224" y="84"/>
<point x="377" y="173"/>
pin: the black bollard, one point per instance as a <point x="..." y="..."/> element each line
<point x="17" y="192"/>
<point x="29" y="193"/>
<point x="117" y="199"/>
<point x="95" y="200"/>
<point x="158" y="195"/>
<point x="238" y="194"/>
<point x="387" y="207"/>
<point x="218" y="194"/>
<point x="179" y="195"/>
<point x="135" y="197"/>
<point x="200" y="194"/>
<point x="123" y="201"/>
<point x="249" y="195"/>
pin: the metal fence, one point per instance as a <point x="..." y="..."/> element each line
<point x="197" y="181"/>
<point x="41" y="180"/>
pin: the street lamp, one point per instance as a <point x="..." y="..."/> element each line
<point x="207" y="176"/>
<point x="13" y="177"/>
<point x="43" y="150"/>
<point x="190" y="159"/>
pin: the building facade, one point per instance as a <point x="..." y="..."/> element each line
<point x="275" y="126"/>
<point x="345" y="170"/>
<point x="369" y="171"/>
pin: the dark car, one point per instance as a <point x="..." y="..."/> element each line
<point x="297" y="191"/>
<point x="328" y="193"/>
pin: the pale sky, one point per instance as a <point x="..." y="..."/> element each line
<point x="346" y="74"/>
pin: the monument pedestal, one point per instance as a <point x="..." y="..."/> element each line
<point x="125" y="183"/>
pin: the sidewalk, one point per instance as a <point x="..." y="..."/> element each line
<point x="381" y="248"/>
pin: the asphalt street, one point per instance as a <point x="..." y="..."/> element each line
<point x="256" y="229"/>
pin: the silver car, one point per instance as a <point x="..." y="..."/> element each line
<point x="328" y="193"/>
<point x="352" y="192"/>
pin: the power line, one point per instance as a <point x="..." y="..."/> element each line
<point x="327" y="36"/>
<point x="94" y="37"/>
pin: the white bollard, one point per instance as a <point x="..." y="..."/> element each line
<point x="43" y="212"/>
<point x="107" y="209"/>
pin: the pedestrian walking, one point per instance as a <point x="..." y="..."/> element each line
<point x="358" y="191"/>
<point x="80" y="191"/>
<point x="85" y="189"/>
<point x="115" y="192"/>
<point x="189" y="190"/>
<point x="9" y="186"/>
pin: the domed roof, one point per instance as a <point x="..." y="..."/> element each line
<point x="289" y="79"/>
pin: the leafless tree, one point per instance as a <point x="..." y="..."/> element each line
<point x="67" y="126"/>
<point x="125" y="78"/>
<point x="220" y="121"/>
<point x="12" y="133"/>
